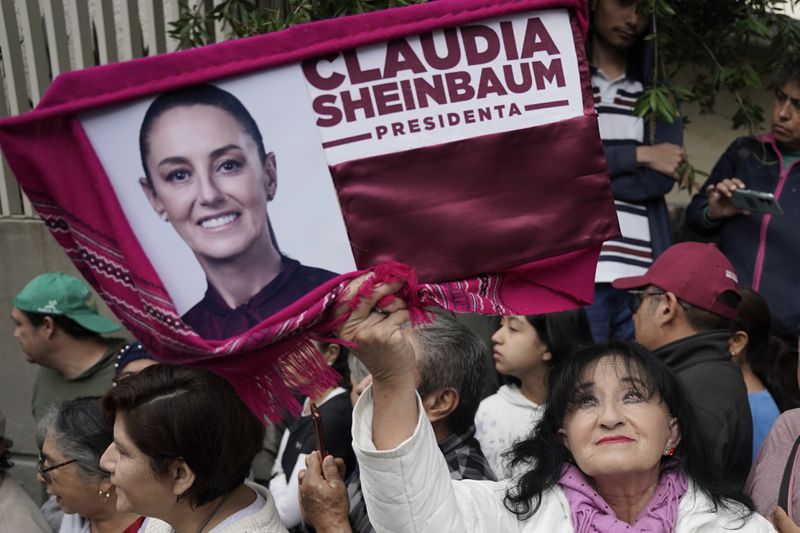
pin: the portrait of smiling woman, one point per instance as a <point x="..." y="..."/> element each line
<point x="208" y="174"/>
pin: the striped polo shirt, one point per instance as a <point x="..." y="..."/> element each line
<point x="631" y="254"/>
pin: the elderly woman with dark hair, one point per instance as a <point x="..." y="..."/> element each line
<point x="183" y="445"/>
<point x="617" y="448"/>
<point x="75" y="436"/>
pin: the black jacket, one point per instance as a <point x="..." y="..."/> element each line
<point x="716" y="388"/>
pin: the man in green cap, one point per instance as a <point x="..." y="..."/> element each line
<point x="58" y="328"/>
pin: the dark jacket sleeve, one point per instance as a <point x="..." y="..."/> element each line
<point x="631" y="182"/>
<point x="725" y="168"/>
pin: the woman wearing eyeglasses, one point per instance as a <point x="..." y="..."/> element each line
<point x="75" y="436"/>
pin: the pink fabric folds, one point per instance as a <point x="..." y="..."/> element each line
<point x="505" y="223"/>
<point x="480" y="204"/>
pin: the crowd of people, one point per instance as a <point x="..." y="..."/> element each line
<point x="672" y="403"/>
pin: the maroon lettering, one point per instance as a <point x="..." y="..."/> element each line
<point x="453" y="119"/>
<point x="397" y="129"/>
<point x="400" y="56"/>
<point x="380" y="131"/>
<point x="429" y="123"/>
<point x="357" y="75"/>
<point x="552" y="74"/>
<point x="413" y="125"/>
<point x="537" y="39"/>
<point x="458" y="86"/>
<point x="325" y="106"/>
<point x="484" y="113"/>
<point x="433" y="59"/>
<point x="471" y="35"/>
<point x="489" y="84"/>
<point x="513" y="110"/>
<point x="499" y="109"/>
<point x="318" y="80"/>
<point x="469" y="116"/>
<point x="427" y="90"/>
<point x="387" y="98"/>
<point x="351" y="105"/>
<point x="509" y="40"/>
<point x="524" y="85"/>
<point x="408" y="95"/>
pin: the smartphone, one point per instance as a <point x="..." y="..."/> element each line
<point x="758" y="201"/>
<point x="318" y="429"/>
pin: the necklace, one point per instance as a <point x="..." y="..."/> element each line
<point x="213" y="512"/>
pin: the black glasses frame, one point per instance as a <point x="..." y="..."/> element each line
<point x="40" y="468"/>
<point x="635" y="298"/>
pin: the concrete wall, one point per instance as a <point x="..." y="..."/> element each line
<point x="26" y="250"/>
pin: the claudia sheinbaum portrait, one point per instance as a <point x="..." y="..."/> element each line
<point x="207" y="173"/>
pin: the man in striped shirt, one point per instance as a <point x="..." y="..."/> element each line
<point x="643" y="166"/>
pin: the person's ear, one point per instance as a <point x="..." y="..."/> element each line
<point x="105" y="485"/>
<point x="667" y="309"/>
<point x="271" y="171"/>
<point x="440" y="403"/>
<point x="331" y="353"/>
<point x="48" y="327"/>
<point x="737" y="344"/>
<point x="674" y="433"/>
<point x="547" y="356"/>
<point x="181" y="476"/>
<point x="152" y="197"/>
<point x="564" y="440"/>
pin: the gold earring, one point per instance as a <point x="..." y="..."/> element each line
<point x="104" y="495"/>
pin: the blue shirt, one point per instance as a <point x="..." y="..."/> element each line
<point x="765" y="411"/>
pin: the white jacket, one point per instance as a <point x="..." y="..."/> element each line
<point x="264" y="521"/>
<point x="408" y="490"/>
<point x="502" y="419"/>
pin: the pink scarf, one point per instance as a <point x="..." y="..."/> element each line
<point x="591" y="513"/>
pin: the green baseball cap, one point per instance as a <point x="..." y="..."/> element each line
<point x="56" y="293"/>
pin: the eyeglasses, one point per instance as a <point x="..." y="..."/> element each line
<point x="44" y="471"/>
<point x="635" y="298"/>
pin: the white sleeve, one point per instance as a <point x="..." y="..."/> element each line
<point x="408" y="489"/>
<point x="287" y="499"/>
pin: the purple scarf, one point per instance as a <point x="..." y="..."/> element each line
<point x="591" y="513"/>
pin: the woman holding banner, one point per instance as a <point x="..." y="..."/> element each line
<point x="207" y="173"/>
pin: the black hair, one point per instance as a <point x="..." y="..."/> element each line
<point x="64" y="323"/>
<point x="769" y="357"/>
<point x="205" y="94"/>
<point x="702" y="320"/>
<point x="787" y="71"/>
<point x="546" y="452"/>
<point x="562" y="332"/>
<point x="175" y="412"/>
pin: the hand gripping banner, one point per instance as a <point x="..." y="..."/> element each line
<point x="219" y="199"/>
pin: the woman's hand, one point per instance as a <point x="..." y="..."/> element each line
<point x="382" y="336"/>
<point x="388" y="348"/>
<point x="323" y="494"/>
<point x="783" y="523"/>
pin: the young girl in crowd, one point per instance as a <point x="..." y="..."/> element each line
<point x="525" y="350"/>
<point x="767" y="365"/>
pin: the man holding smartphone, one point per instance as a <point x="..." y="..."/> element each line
<point x="764" y="248"/>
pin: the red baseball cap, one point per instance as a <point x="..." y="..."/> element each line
<point x="695" y="272"/>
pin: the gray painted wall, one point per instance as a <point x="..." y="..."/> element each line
<point x="26" y="250"/>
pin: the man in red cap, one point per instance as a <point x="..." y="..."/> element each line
<point x="682" y="308"/>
